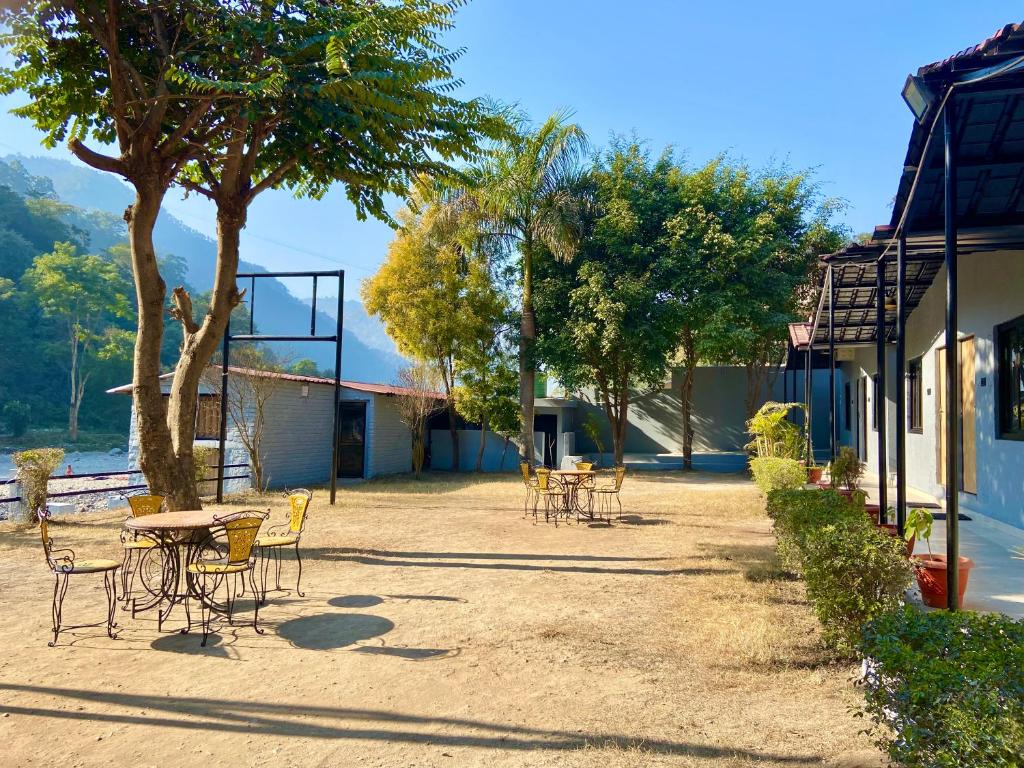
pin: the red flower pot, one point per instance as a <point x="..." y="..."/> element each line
<point x="891" y="530"/>
<point x="931" y="578"/>
<point x="814" y="474"/>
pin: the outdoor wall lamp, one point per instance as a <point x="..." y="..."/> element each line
<point x="305" y="390"/>
<point x="919" y="97"/>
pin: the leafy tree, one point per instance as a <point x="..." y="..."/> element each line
<point x="16" y="416"/>
<point x="416" y="402"/>
<point x="488" y="391"/>
<point x="527" y="194"/>
<point x="435" y="296"/>
<point x="606" y="320"/>
<point x="232" y="100"/>
<point x="87" y="295"/>
<point x="304" y="367"/>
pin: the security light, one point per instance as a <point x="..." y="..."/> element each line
<point x="919" y="97"/>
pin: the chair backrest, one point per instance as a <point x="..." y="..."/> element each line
<point x="620" y="472"/>
<point x="65" y="562"/>
<point x="242" y="530"/>
<point x="584" y="466"/>
<point x="543" y="478"/>
<point x="145" y="505"/>
<point x="525" y="469"/>
<point x="299" y="500"/>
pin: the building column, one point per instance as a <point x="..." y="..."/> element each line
<point x="901" y="384"/>
<point x="808" y="404"/>
<point x="880" y="404"/>
<point x="833" y="432"/>
<point x="953" y="407"/>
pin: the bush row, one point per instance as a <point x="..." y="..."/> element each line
<point x="946" y="689"/>
<point x="854" y="571"/>
<point x="775" y="473"/>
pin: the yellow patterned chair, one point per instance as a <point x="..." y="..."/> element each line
<point x="286" y="535"/>
<point x="135" y="546"/>
<point x="553" y="493"/>
<point x="237" y="562"/>
<point x="605" y="493"/>
<point x="64" y="565"/>
<point x="531" y="489"/>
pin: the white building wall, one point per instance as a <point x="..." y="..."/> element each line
<point x="297" y="436"/>
<point x="991" y="291"/>
<point x="391" y="451"/>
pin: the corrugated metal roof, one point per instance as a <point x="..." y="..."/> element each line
<point x="993" y="45"/>
<point x="359" y="386"/>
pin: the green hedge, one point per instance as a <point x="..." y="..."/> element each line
<point x="772" y="473"/>
<point x="946" y="689"/>
<point x="854" y="571"/>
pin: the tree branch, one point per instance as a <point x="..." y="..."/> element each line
<point x="182" y="310"/>
<point x="274" y="177"/>
<point x="191" y="121"/>
<point x="96" y="160"/>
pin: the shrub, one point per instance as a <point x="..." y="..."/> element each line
<point x="774" y="434"/>
<point x="202" y="457"/>
<point x="946" y="689"/>
<point x="16" y="416"/>
<point x="775" y="474"/>
<point x="854" y="572"/>
<point x="846" y="469"/>
<point x="34" y="470"/>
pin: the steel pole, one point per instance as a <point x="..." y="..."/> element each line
<point x="832" y="431"/>
<point x="222" y="438"/>
<point x="337" y="386"/>
<point x="901" y="384"/>
<point x="880" y="405"/>
<point x="808" y="394"/>
<point x="953" y="447"/>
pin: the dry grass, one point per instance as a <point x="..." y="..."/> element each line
<point x="440" y="628"/>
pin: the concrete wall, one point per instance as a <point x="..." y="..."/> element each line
<point x="297" y="437"/>
<point x="469" y="445"/>
<point x="391" y="449"/>
<point x="991" y="291"/>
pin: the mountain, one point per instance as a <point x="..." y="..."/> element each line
<point x="277" y="311"/>
<point x="370" y="330"/>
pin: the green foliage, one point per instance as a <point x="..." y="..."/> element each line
<point x="203" y="457"/>
<point x="34" y="470"/>
<point x="854" y="571"/>
<point x="774" y="473"/>
<point x="304" y="367"/>
<point x="592" y="428"/>
<point x="944" y="689"/>
<point x="919" y="524"/>
<point x="847" y="469"/>
<point x="16" y="417"/>
<point x="774" y="434"/>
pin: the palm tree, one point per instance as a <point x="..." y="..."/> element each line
<point x="527" y="193"/>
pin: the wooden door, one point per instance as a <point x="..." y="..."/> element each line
<point x="968" y="435"/>
<point x="968" y="416"/>
<point x="352" y="441"/>
<point x="862" y="418"/>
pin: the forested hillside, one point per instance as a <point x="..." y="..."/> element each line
<point x="53" y="215"/>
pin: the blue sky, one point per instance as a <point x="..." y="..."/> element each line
<point x="813" y="84"/>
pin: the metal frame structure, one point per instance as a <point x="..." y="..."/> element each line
<point x="961" y="192"/>
<point x="336" y="338"/>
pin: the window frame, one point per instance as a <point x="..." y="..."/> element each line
<point x="875" y="405"/>
<point x="847" y="407"/>
<point x="1002" y="386"/>
<point x="915" y="395"/>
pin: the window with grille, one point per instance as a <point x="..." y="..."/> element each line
<point x="915" y="411"/>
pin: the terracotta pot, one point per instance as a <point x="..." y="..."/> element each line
<point x="844" y="492"/>
<point x="814" y="474"/>
<point x="931" y="578"/>
<point x="891" y="530"/>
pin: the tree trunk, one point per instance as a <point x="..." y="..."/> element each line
<point x="619" y="427"/>
<point x="483" y="444"/>
<point x="156" y="457"/>
<point x="504" y="450"/>
<point x="454" y="432"/>
<point x="527" y="375"/>
<point x="73" y="400"/>
<point x="686" y="397"/>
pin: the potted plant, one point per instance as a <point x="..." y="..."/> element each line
<point x="931" y="569"/>
<point x="846" y="472"/>
<point x="910" y="536"/>
<point x="814" y="471"/>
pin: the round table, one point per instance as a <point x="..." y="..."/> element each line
<point x="172" y="532"/>
<point x="572" y="480"/>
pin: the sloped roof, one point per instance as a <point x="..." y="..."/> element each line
<point x="359" y="386"/>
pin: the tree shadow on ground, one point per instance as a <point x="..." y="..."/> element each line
<point x="311" y="721"/>
<point x="327" y="631"/>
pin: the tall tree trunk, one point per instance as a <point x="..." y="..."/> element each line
<point x="156" y="455"/>
<point x="504" y="450"/>
<point x="199" y="342"/>
<point x="483" y="444"/>
<point x="527" y="375"/>
<point x="620" y="425"/>
<point x="686" y="396"/>
<point x="454" y="432"/>
<point x="74" y="400"/>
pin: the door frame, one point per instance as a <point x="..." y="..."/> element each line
<point x="354" y="405"/>
<point x="967" y="470"/>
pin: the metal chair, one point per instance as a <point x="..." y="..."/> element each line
<point x="237" y="560"/>
<point x="606" y="492"/>
<point x="531" y="489"/>
<point x="551" y="491"/>
<point x="584" y="466"/>
<point x="286" y="535"/>
<point x="135" y="547"/>
<point x="64" y="565"/>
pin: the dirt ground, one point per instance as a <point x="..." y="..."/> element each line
<point x="440" y="628"/>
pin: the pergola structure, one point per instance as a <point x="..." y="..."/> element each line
<point x="961" y="192"/>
